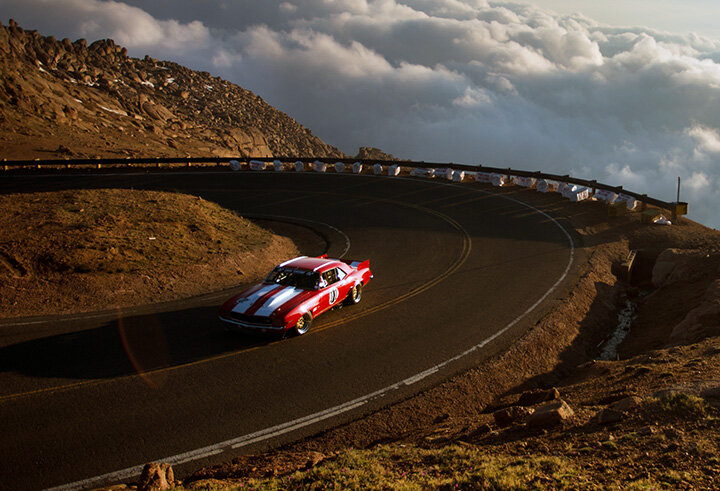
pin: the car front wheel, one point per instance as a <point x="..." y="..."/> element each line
<point x="303" y="324"/>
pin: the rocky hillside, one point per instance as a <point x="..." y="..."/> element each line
<point x="65" y="98"/>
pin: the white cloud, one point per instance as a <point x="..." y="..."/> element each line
<point x="288" y="7"/>
<point x="505" y="84"/>
<point x="707" y="139"/>
<point x="699" y="182"/>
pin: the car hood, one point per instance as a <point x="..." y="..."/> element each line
<point x="262" y="300"/>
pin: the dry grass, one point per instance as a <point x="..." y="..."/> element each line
<point x="81" y="250"/>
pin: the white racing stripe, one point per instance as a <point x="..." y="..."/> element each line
<point x="247" y="302"/>
<point x="278" y="300"/>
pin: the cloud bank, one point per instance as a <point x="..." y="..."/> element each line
<point x="471" y="81"/>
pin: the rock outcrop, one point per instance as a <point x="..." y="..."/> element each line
<point x="702" y="321"/>
<point x="94" y="100"/>
<point x="372" y="153"/>
<point x="674" y="265"/>
<point x="156" y="477"/>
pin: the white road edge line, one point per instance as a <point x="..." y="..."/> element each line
<point x="289" y="426"/>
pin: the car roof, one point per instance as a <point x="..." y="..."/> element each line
<point x="318" y="264"/>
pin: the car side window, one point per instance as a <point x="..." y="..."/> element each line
<point x="330" y="276"/>
<point x="340" y="274"/>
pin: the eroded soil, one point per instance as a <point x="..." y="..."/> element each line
<point x="81" y="250"/>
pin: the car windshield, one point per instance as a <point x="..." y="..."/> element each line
<point x="306" y="280"/>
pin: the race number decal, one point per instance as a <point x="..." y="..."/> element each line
<point x="333" y="295"/>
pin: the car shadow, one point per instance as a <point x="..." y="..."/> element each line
<point x="129" y="345"/>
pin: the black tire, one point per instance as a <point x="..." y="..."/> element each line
<point x="355" y="295"/>
<point x="303" y="325"/>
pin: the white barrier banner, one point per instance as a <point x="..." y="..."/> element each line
<point x="418" y="172"/>
<point x="526" y="182"/>
<point x="547" y="186"/>
<point x="605" y="195"/>
<point x="483" y="176"/>
<point x="499" y="180"/>
<point x="566" y="188"/>
<point x="257" y="165"/>
<point x="458" y="176"/>
<point x="579" y="194"/>
<point x="444" y="173"/>
<point x="631" y="202"/>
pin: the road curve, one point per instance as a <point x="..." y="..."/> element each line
<point x="459" y="272"/>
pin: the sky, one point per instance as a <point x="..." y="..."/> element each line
<point x="626" y="92"/>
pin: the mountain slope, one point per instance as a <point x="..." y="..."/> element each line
<point x="63" y="98"/>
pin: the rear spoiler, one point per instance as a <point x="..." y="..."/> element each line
<point x="351" y="262"/>
<point x="359" y="264"/>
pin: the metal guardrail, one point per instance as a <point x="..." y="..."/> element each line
<point x="677" y="208"/>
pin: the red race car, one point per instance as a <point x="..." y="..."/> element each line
<point x="296" y="292"/>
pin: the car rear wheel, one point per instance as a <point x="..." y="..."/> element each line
<point x="303" y="324"/>
<point x="355" y="295"/>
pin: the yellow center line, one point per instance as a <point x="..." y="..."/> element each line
<point x="452" y="268"/>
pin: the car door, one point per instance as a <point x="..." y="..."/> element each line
<point x="344" y="284"/>
<point x="330" y="295"/>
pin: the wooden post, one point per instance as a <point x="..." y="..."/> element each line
<point x="677" y="201"/>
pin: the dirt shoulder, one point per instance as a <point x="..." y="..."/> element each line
<point x="83" y="250"/>
<point x="650" y="419"/>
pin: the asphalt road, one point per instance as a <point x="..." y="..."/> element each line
<point x="459" y="273"/>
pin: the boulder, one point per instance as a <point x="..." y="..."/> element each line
<point x="510" y="415"/>
<point x="550" y="414"/>
<point x="626" y="404"/>
<point x="534" y="397"/>
<point x="156" y="476"/>
<point x="609" y="416"/>
<point x="157" y="111"/>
